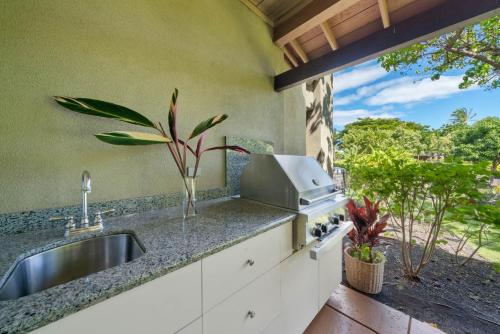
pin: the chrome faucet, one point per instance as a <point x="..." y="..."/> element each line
<point x="70" y="226"/>
<point x="86" y="188"/>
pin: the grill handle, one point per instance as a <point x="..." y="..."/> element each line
<point x="307" y="201"/>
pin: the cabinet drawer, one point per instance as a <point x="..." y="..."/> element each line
<point x="163" y="305"/>
<point x="230" y="270"/>
<point x="262" y="297"/>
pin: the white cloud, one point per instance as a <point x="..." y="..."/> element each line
<point x="369" y="90"/>
<point x="343" y="117"/>
<point x="417" y="91"/>
<point x="359" y="76"/>
<point x="341" y="101"/>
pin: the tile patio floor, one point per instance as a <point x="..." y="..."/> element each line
<point x="350" y="312"/>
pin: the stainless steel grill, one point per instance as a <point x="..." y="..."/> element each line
<point x="300" y="184"/>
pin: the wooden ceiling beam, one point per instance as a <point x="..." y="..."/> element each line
<point x="299" y="51"/>
<point x="290" y="57"/>
<point x="256" y="10"/>
<point x="312" y="15"/>
<point x="449" y="16"/>
<point x="329" y="35"/>
<point x="384" y="13"/>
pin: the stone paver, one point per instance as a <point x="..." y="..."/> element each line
<point x="329" y="321"/>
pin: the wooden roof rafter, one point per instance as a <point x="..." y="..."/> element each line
<point x="312" y="15"/>
<point x="448" y="16"/>
<point x="299" y="51"/>
<point x="384" y="13"/>
<point x="290" y="57"/>
<point x="320" y="36"/>
<point x="329" y="35"/>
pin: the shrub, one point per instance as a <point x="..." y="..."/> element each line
<point x="413" y="191"/>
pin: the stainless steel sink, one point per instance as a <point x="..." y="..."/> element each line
<point x="69" y="262"/>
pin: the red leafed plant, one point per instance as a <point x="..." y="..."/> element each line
<point x="367" y="227"/>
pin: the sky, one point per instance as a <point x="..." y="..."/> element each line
<point x="367" y="90"/>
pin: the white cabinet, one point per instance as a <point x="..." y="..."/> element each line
<point x="249" y="310"/>
<point x="196" y="327"/>
<point x="164" y="305"/>
<point x="299" y="294"/>
<point x="256" y="286"/>
<point x="329" y="272"/>
<point x="286" y="240"/>
<point x="228" y="271"/>
<point x="306" y="284"/>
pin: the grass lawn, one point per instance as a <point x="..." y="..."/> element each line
<point x="490" y="252"/>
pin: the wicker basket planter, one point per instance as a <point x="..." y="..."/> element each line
<point x="363" y="276"/>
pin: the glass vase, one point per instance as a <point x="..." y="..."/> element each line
<point x="188" y="197"/>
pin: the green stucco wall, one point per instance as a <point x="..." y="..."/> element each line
<point x="219" y="55"/>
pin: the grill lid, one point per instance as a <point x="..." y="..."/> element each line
<point x="288" y="181"/>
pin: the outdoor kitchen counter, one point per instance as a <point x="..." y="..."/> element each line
<point x="170" y="244"/>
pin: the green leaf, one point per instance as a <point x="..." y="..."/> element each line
<point x="132" y="138"/>
<point x="103" y="109"/>
<point x="172" y="114"/>
<point x="207" y="124"/>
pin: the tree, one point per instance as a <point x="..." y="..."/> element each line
<point x="368" y="134"/>
<point x="479" y="142"/>
<point x="475" y="48"/>
<point x="414" y="191"/>
<point x="462" y="116"/>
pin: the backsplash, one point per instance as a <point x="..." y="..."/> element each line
<point x="236" y="162"/>
<point x="18" y="222"/>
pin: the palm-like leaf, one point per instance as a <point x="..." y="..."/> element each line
<point x="207" y="124"/>
<point x="103" y="109"/>
<point x="172" y="115"/>
<point x="132" y="138"/>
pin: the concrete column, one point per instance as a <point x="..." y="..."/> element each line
<point x="319" y="121"/>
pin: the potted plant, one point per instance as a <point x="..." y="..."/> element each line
<point x="179" y="148"/>
<point x="365" y="266"/>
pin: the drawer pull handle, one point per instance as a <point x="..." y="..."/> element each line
<point x="251" y="314"/>
<point x="250" y="262"/>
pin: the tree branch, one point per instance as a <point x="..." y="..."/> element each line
<point x="471" y="54"/>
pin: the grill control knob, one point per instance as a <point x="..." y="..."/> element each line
<point x="316" y="231"/>
<point x="324" y="228"/>
<point x="334" y="220"/>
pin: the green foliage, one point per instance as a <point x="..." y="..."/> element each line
<point x="207" y="124"/>
<point x="103" y="109"/>
<point x="369" y="172"/>
<point x="415" y="191"/>
<point x="368" y="134"/>
<point x="384" y="124"/>
<point x="365" y="253"/>
<point x="132" y="138"/>
<point x="476" y="214"/>
<point x="474" y="48"/>
<point x="479" y="142"/>
<point x="480" y="228"/>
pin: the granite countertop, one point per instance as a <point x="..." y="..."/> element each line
<point x="170" y="243"/>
